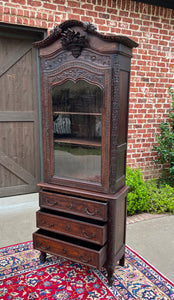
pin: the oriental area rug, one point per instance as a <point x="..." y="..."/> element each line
<point x="22" y="276"/>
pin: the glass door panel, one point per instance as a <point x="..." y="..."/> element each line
<point x="77" y="122"/>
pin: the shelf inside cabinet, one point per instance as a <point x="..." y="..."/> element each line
<point x="77" y="142"/>
<point x="76" y="113"/>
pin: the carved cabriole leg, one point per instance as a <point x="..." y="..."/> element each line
<point x="110" y="270"/>
<point x="42" y="257"/>
<point x="122" y="260"/>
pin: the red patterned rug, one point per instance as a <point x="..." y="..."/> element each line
<point x="23" y="277"/>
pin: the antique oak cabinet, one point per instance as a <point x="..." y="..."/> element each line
<point x="84" y="90"/>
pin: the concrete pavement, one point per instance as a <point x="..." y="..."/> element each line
<point x="154" y="240"/>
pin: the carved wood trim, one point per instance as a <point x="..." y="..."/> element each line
<point x="60" y="30"/>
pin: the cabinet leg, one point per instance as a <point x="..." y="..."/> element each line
<point x="42" y="257"/>
<point x="110" y="276"/>
<point x="122" y="260"/>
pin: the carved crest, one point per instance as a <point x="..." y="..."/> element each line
<point x="73" y="41"/>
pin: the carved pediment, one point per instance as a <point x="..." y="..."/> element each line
<point x="74" y="41"/>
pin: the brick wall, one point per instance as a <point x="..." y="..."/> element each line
<point x="152" y="64"/>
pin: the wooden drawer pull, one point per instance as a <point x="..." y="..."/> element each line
<point x="64" y="251"/>
<point x="93" y="235"/>
<point x="51" y="204"/>
<point x="47" y="225"/>
<point x="90" y="213"/>
<point x="42" y="247"/>
<point x="68" y="227"/>
<point x="84" y="260"/>
<point x="70" y="205"/>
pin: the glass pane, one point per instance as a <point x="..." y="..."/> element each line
<point x="77" y="125"/>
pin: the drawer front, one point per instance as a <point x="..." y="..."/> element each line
<point x="87" y="256"/>
<point x="82" y="207"/>
<point x="78" y="229"/>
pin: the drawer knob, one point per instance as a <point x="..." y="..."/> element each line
<point x="91" y="236"/>
<point x="64" y="251"/>
<point x="47" y="225"/>
<point x="68" y="227"/>
<point x="51" y="203"/>
<point x="40" y="245"/>
<point x="90" y="213"/>
<point x="88" y="260"/>
<point x="70" y="205"/>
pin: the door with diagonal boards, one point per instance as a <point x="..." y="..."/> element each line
<point x="19" y="121"/>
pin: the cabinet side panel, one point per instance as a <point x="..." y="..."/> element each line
<point x="123" y="107"/>
<point x="120" y="127"/>
<point x="116" y="229"/>
<point x="120" y="223"/>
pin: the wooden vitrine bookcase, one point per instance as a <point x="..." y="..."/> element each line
<point x="84" y="90"/>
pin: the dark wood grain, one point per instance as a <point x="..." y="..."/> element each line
<point x="91" y="256"/>
<point x="66" y="225"/>
<point x="74" y="205"/>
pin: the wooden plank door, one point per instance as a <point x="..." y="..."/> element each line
<point x="19" y="130"/>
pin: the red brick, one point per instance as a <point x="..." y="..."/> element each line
<point x="38" y="23"/>
<point x="87" y="6"/>
<point x="99" y="9"/>
<point x="158" y="25"/>
<point x="39" y="16"/>
<point x="6" y="19"/>
<point x="6" y="10"/>
<point x="126" y="32"/>
<point x="19" y="1"/>
<point x="154" y="30"/>
<point x="62" y="8"/>
<point x="44" y="24"/>
<point x="49" y="6"/>
<point x="32" y="14"/>
<point x="91" y="13"/>
<point x="111" y="11"/>
<point x="13" y="19"/>
<point x="13" y="11"/>
<point x="103" y="15"/>
<point x="80" y="12"/>
<point x="99" y="21"/>
<point x="73" y="3"/>
<point x="123" y="13"/>
<point x="86" y="19"/>
<point x="44" y="16"/>
<point x="31" y="22"/>
<point x="34" y="3"/>
<point x="103" y="28"/>
<point x="50" y="18"/>
<point x="19" y="20"/>
<point x="63" y="2"/>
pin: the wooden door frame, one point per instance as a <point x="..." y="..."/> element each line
<point x="16" y="31"/>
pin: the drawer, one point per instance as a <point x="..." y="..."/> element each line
<point x="93" y="256"/>
<point x="74" y="205"/>
<point x="71" y="227"/>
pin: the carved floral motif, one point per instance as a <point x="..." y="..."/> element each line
<point x="87" y="56"/>
<point x="76" y="74"/>
<point x="73" y="41"/>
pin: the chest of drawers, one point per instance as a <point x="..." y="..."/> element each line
<point x="87" y="231"/>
